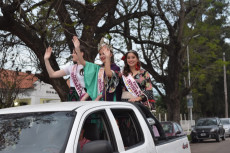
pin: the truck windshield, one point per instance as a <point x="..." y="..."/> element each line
<point x="43" y="132"/>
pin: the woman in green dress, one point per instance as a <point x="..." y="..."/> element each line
<point x="102" y="81"/>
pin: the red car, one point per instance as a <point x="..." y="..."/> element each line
<point x="172" y="129"/>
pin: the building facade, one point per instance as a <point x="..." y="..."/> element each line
<point x="29" y="90"/>
<point x="39" y="94"/>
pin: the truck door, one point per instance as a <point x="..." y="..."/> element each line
<point x="94" y="126"/>
<point x="135" y="135"/>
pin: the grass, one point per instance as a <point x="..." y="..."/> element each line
<point x="189" y="137"/>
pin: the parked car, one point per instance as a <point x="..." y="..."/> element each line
<point x="172" y="129"/>
<point x="208" y="128"/>
<point x="88" y="127"/>
<point x="226" y="124"/>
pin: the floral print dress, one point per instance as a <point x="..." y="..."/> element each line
<point x="144" y="82"/>
<point x="112" y="86"/>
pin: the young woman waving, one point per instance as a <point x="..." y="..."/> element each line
<point x="77" y="91"/>
<point x="101" y="80"/>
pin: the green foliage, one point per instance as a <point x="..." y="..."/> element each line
<point x="157" y="35"/>
<point x="108" y="36"/>
<point x="189" y="137"/>
<point x="205" y="50"/>
<point x="93" y="1"/>
<point x="160" y="106"/>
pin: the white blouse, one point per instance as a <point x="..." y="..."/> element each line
<point x="68" y="70"/>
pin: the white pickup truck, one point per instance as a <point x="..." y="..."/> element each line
<point x="109" y="127"/>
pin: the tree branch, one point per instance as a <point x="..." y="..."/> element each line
<point x="163" y="17"/>
<point x="114" y="22"/>
<point x="66" y="22"/>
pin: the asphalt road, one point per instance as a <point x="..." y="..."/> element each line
<point x="211" y="146"/>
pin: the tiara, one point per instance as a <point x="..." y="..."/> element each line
<point x="103" y="43"/>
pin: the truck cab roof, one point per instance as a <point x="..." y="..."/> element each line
<point x="62" y="106"/>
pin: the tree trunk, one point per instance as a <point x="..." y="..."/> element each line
<point x="173" y="109"/>
<point x="173" y="81"/>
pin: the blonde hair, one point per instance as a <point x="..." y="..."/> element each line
<point x="103" y="43"/>
<point x="110" y="47"/>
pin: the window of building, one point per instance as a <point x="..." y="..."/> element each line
<point x="23" y="103"/>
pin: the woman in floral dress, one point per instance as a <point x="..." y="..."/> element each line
<point x="136" y="83"/>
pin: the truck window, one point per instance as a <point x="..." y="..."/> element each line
<point x="147" y="114"/>
<point x="129" y="127"/>
<point x="96" y="127"/>
<point x="175" y="128"/>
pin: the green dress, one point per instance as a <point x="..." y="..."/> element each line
<point x="90" y="77"/>
<point x="91" y="82"/>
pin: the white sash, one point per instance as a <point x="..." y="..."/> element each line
<point x="100" y="85"/>
<point x="132" y="85"/>
<point x="80" y="90"/>
<point x="133" y="88"/>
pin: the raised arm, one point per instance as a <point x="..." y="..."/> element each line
<point x="76" y="44"/>
<point x="107" y="54"/>
<point x="51" y="72"/>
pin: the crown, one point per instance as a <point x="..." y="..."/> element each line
<point x="103" y="43"/>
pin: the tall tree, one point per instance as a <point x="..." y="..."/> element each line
<point x="206" y="54"/>
<point x="163" y="37"/>
<point x="37" y="24"/>
<point x="161" y="31"/>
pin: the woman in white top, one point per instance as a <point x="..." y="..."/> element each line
<point x="77" y="85"/>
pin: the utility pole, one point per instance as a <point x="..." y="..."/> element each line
<point x="225" y="88"/>
<point x="189" y="96"/>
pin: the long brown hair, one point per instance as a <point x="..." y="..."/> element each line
<point x="127" y="70"/>
<point x="82" y="50"/>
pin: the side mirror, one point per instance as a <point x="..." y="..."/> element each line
<point x="99" y="146"/>
<point x="151" y="121"/>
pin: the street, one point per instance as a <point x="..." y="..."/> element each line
<point x="211" y="146"/>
